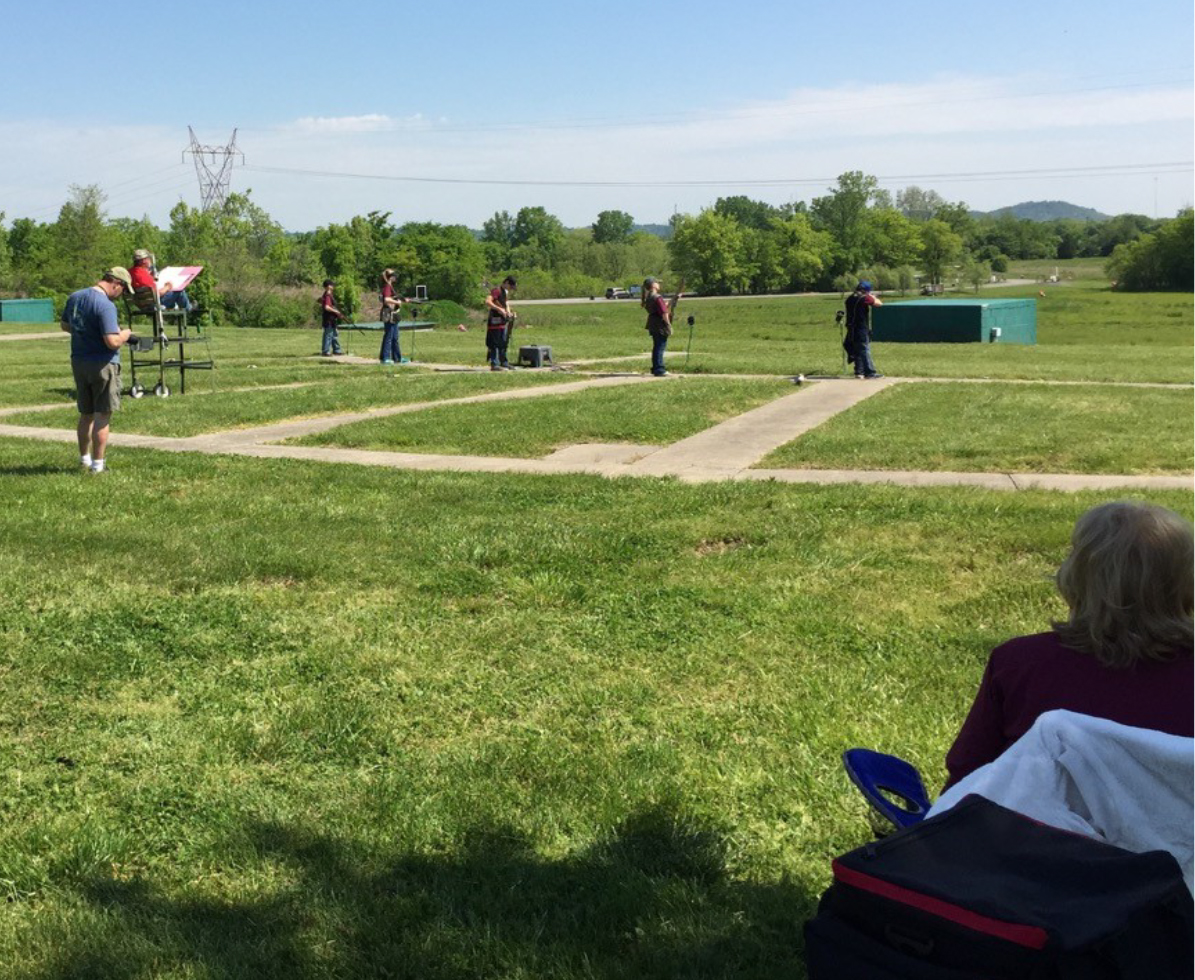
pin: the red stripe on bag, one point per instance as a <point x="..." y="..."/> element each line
<point x="1033" y="937"/>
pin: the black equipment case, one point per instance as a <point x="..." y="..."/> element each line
<point x="981" y="891"/>
<point x="535" y="355"/>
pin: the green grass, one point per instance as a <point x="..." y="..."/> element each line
<point x="1085" y="332"/>
<point x="13" y="326"/>
<point x="1004" y="428"/>
<point x="1066" y="269"/>
<point x="645" y="414"/>
<point x="278" y="719"/>
<point x="359" y="389"/>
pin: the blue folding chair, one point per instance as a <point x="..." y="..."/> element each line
<point x="880" y="776"/>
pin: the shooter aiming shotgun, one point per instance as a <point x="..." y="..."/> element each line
<point x="659" y="321"/>
<point x="390" y="315"/>
<point x="499" y="323"/>
<point x="857" y="344"/>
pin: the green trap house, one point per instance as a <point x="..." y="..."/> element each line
<point x="956" y="321"/>
<point x="26" y="310"/>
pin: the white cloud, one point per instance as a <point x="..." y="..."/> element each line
<point x="808" y="136"/>
<point x="342" y="125"/>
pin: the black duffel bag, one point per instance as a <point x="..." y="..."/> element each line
<point x="982" y="891"/>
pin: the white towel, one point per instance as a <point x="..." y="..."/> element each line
<point x="1131" y="787"/>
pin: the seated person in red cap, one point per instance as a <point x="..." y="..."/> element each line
<point x="142" y="273"/>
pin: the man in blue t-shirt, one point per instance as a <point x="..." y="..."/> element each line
<point x="96" y="338"/>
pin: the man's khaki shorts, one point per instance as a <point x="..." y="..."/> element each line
<point x="97" y="387"/>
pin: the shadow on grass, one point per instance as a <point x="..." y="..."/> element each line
<point x="652" y="900"/>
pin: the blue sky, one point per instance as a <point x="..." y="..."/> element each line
<point x="577" y="107"/>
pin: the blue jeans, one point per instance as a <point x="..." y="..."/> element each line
<point x="495" y="346"/>
<point x="864" y="365"/>
<point x="658" y="342"/>
<point x="331" y="343"/>
<point x="176" y="299"/>
<point x="390" y="348"/>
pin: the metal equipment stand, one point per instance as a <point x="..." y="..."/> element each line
<point x="145" y="304"/>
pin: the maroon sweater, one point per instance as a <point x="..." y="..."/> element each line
<point x="1034" y="674"/>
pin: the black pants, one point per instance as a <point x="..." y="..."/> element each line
<point x="496" y="339"/>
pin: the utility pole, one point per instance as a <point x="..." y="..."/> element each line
<point x="214" y="179"/>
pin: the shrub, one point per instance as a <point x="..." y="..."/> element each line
<point x="1162" y="260"/>
<point x="551" y="284"/>
<point x="881" y="277"/>
<point x="442" y="311"/>
<point x="270" y="307"/>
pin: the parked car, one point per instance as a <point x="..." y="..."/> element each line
<point x="635" y="291"/>
<point x="617" y="292"/>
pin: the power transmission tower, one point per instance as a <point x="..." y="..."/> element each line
<point x="214" y="179"/>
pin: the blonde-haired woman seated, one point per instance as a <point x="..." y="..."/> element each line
<point x="1123" y="654"/>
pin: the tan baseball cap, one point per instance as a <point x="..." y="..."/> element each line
<point x="141" y="253"/>
<point x="121" y="276"/>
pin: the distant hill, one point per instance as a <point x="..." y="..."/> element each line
<point x="660" y="231"/>
<point x="1046" y="211"/>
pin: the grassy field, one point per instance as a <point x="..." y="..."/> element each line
<point x="1085" y="332"/>
<point x="284" y="719"/>
<point x="12" y="326"/>
<point x="1065" y="269"/>
<point x="1004" y="428"/>
<point x="276" y="719"/>
<point x="654" y="415"/>
<point x="352" y="390"/>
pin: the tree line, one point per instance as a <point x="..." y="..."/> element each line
<point x="259" y="274"/>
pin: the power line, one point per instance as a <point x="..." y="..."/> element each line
<point x="1108" y="170"/>
<point x="142" y="181"/>
<point x="1060" y="176"/>
<point x="141" y="178"/>
<point x="155" y="191"/>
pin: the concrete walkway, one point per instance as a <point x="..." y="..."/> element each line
<point x="44" y="335"/>
<point x="737" y="444"/>
<point x="1171" y="385"/>
<point x="723" y="452"/>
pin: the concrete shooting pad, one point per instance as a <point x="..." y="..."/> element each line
<point x="726" y="451"/>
